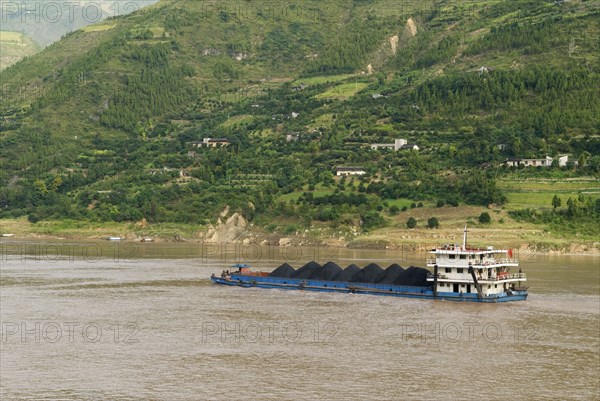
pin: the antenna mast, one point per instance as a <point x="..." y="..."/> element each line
<point x="465" y="238"/>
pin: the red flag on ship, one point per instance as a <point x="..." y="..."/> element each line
<point x="510" y="253"/>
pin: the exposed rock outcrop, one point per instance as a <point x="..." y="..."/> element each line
<point x="232" y="230"/>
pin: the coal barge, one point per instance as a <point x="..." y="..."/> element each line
<point x="459" y="274"/>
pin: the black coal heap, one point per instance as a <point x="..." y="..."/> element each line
<point x="368" y="274"/>
<point x="327" y="272"/>
<point x="283" y="271"/>
<point x="347" y="273"/>
<point x="306" y="270"/>
<point x="391" y="274"/>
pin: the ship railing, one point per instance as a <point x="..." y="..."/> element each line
<point x="505" y="276"/>
<point x="492" y="262"/>
<point x="485" y="263"/>
<point x="498" y="277"/>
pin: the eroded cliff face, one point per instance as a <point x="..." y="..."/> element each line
<point x="233" y="229"/>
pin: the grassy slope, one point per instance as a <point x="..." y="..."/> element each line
<point x="15" y="46"/>
<point x="502" y="231"/>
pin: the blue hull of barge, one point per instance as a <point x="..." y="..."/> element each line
<point x="247" y="281"/>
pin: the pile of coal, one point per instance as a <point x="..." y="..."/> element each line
<point x="283" y="271"/>
<point x="368" y="274"/>
<point x="327" y="272"/>
<point x="346" y="274"/>
<point x="413" y="276"/>
<point x="372" y="273"/>
<point x="306" y="270"/>
<point x="391" y="274"/>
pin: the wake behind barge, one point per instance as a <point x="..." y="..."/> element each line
<point x="459" y="274"/>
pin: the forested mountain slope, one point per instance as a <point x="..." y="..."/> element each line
<point x="102" y="124"/>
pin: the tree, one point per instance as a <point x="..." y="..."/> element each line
<point x="433" y="222"/>
<point x="56" y="183"/>
<point x="484" y="218"/>
<point x="478" y="189"/>
<point x="372" y="220"/>
<point x="394" y="209"/>
<point x="411" y="222"/>
<point x="583" y="158"/>
<point x="556" y="201"/>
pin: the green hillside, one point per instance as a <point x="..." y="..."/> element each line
<point x="100" y="126"/>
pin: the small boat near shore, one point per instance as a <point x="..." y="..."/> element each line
<point x="114" y="238"/>
<point x="459" y="273"/>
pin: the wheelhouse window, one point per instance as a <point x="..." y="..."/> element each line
<point x="459" y="270"/>
<point x="448" y="270"/>
<point x="452" y="256"/>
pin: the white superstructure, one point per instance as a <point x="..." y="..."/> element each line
<point x="486" y="272"/>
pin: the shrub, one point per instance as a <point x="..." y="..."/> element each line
<point x="440" y="203"/>
<point x="411" y="222"/>
<point x="484" y="218"/>
<point x="394" y="209"/>
<point x="372" y="220"/>
<point x="556" y="201"/>
<point x="433" y="222"/>
<point x="328" y="214"/>
<point x="33" y="218"/>
<point x="291" y="229"/>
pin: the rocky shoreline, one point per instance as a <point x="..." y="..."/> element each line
<point x="235" y="229"/>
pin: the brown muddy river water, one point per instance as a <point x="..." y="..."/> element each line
<point x="143" y="321"/>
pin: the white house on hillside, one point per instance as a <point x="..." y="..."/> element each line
<point x="546" y="162"/>
<point x="397" y="145"/>
<point x="346" y="171"/>
<point x="210" y="143"/>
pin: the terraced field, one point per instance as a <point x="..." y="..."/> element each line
<point x="538" y="193"/>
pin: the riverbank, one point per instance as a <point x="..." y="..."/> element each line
<point x="235" y="229"/>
